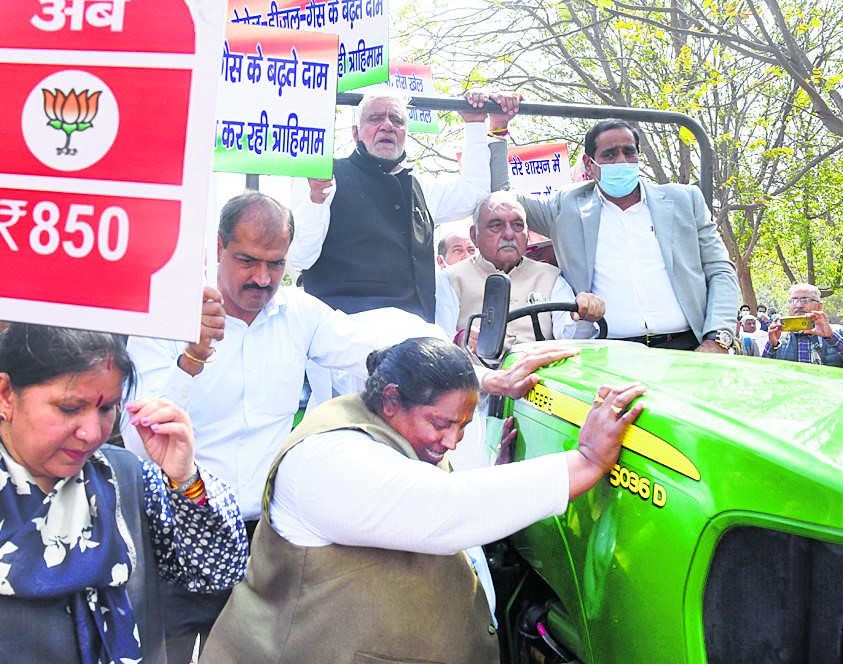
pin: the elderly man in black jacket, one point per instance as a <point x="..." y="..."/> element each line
<point x="364" y="239"/>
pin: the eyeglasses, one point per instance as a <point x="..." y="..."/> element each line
<point x="801" y="300"/>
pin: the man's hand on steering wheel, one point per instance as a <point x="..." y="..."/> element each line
<point x="591" y="307"/>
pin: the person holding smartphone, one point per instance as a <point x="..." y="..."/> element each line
<point x="805" y="335"/>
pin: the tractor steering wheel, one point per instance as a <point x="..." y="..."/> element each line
<point x="534" y="310"/>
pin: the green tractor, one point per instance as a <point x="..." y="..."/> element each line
<point x="717" y="537"/>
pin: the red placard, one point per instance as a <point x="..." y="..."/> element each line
<point x="107" y="119"/>
<point x="148" y="108"/>
<point x="154" y="26"/>
<point x="97" y="251"/>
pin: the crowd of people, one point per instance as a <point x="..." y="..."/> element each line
<point x="352" y="522"/>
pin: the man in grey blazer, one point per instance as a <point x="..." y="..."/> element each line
<point x="651" y="251"/>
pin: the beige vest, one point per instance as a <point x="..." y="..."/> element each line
<point x="351" y="605"/>
<point x="531" y="283"/>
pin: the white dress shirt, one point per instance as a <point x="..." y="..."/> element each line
<point x="447" y="304"/>
<point x="243" y="402"/>
<point x="630" y="275"/>
<point x="760" y="338"/>
<point x="384" y="327"/>
<point x="565" y="327"/>
<point x="342" y="487"/>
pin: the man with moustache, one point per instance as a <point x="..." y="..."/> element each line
<point x="452" y="249"/>
<point x="241" y="381"/>
<point x="500" y="235"/>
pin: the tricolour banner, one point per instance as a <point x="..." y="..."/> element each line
<point x="415" y="81"/>
<point x="539" y="169"/>
<point x="362" y="26"/>
<point x="275" y="109"/>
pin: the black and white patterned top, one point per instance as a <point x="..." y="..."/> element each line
<point x="201" y="548"/>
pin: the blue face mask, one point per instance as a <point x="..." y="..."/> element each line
<point x="618" y="180"/>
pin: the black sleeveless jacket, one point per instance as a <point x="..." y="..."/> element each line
<point x="379" y="248"/>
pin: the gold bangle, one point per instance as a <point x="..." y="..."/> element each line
<point x="195" y="359"/>
<point x="195" y="490"/>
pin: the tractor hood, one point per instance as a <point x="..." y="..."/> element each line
<point x="747" y="420"/>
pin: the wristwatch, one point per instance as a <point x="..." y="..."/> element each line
<point x="723" y="338"/>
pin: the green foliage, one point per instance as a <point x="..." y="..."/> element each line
<point x="686" y="136"/>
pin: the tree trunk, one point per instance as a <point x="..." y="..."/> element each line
<point x="747" y="289"/>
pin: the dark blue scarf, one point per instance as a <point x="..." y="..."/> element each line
<point x="71" y="543"/>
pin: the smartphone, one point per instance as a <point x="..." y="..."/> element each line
<point x="796" y="323"/>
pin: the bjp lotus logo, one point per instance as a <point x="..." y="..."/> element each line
<point x="70" y="112"/>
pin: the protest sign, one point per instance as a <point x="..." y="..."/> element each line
<point x="275" y="110"/>
<point x="539" y="169"/>
<point x="415" y="81"/>
<point x="105" y="162"/>
<point x="362" y="26"/>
